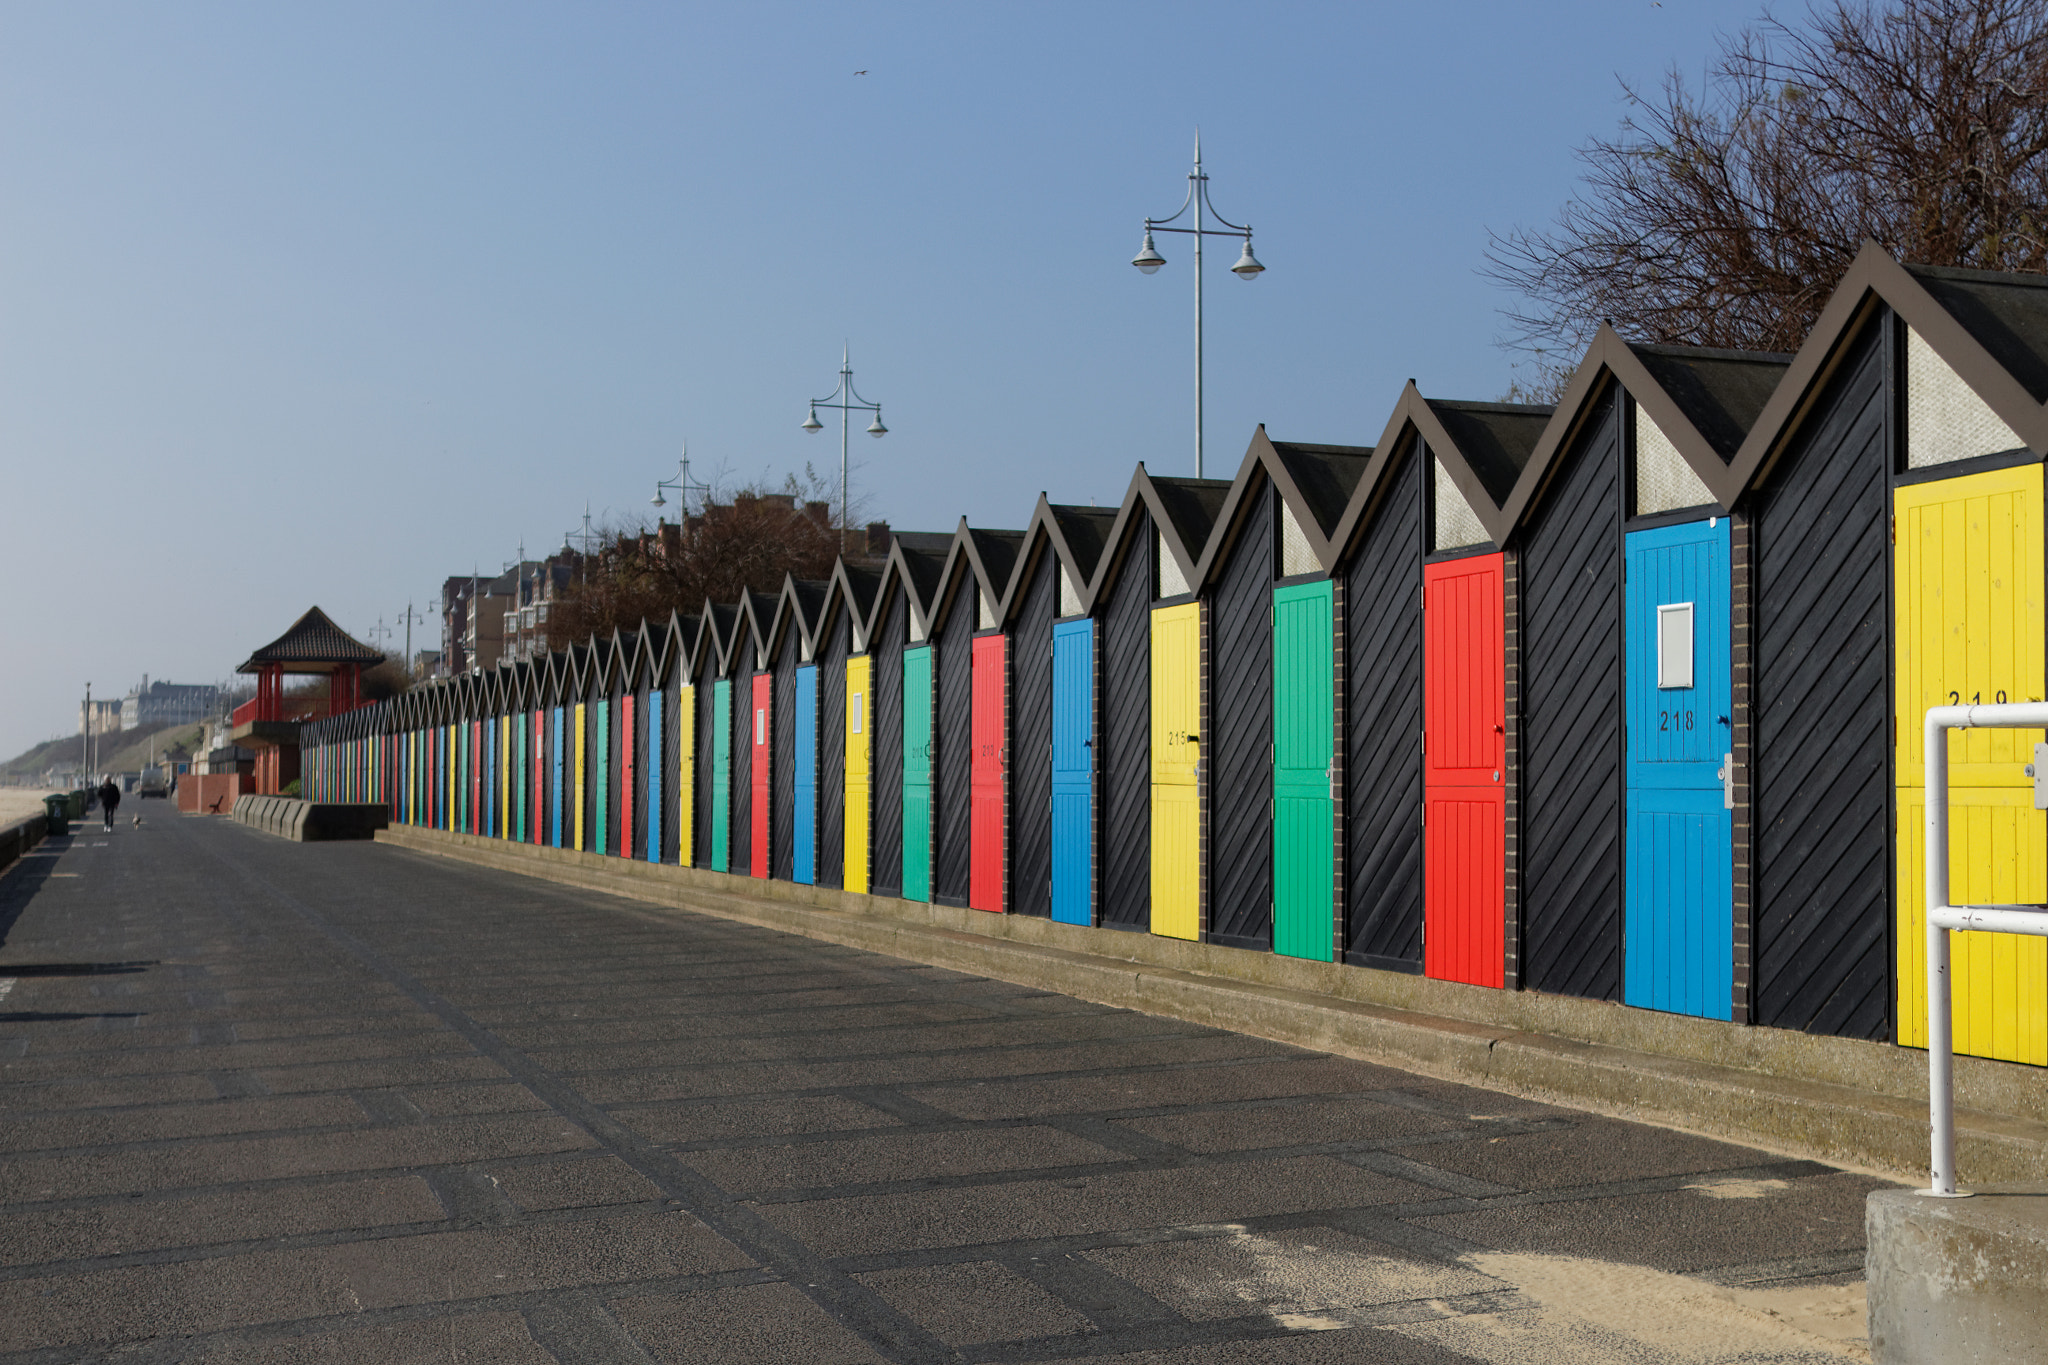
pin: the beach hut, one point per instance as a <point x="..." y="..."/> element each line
<point x="1630" y="727"/>
<point x="1908" y="428"/>
<point x="793" y="784"/>
<point x="1053" y="714"/>
<point x="991" y="558"/>
<point x="715" y="650"/>
<point x="919" y="562"/>
<point x="844" y="754"/>
<point x="1182" y="741"/>
<point x="753" y="734"/>
<point x="1429" y="653"/>
<point x="1273" y="819"/>
<point x="1120" y="598"/>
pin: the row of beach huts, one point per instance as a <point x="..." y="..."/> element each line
<point x="1618" y="699"/>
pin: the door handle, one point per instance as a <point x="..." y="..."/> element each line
<point x="1727" y="776"/>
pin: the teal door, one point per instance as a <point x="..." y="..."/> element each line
<point x="804" y="847"/>
<point x="917" y="774"/>
<point x="1304" y="816"/>
<point x="721" y="774"/>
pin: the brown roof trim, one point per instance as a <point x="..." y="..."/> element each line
<point x="1874" y="277"/>
<point x="1511" y="424"/>
<point x="1319" y="516"/>
<point x="1080" y="538"/>
<point x="1611" y="359"/>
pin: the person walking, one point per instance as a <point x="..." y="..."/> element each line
<point x="110" y="797"/>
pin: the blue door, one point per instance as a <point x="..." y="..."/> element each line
<point x="804" y="847"/>
<point x="657" y="745"/>
<point x="1073" y="770"/>
<point x="556" y="780"/>
<point x="1678" y="934"/>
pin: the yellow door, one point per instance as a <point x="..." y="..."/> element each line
<point x="580" y="719"/>
<point x="686" y="776"/>
<point x="859" y="754"/>
<point x="1968" y="586"/>
<point x="1176" y="752"/>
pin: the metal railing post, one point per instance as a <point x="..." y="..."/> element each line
<point x="1940" y="1055"/>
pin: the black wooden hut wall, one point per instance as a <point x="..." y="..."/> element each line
<point x="1383" y="722"/>
<point x="1570" y="569"/>
<point x="742" y="670"/>
<point x="829" y="863"/>
<point x="595" y="686"/>
<point x="1238" y="736"/>
<point x="886" y="639"/>
<point x="1821" y="651"/>
<point x="613" y="794"/>
<point x="645" y="743"/>
<point x="1031" y="735"/>
<point x="782" y="766"/>
<point x="953" y="740"/>
<point x="1124" y="762"/>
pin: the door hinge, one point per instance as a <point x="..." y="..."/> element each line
<point x="1894" y="519"/>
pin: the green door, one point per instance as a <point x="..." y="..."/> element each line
<point x="1304" y="816"/>
<point x="721" y="773"/>
<point x="917" y="774"/>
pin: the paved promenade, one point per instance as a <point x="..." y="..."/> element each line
<point x="262" y="1101"/>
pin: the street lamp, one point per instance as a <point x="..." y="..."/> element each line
<point x="1148" y="260"/>
<point x="682" y="486"/>
<point x="848" y="402"/>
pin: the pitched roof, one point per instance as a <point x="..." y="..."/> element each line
<point x="315" y="645"/>
<point x="1078" y="536"/>
<point x="1316" y="481"/>
<point x="1990" y="328"/>
<point x="1704" y="401"/>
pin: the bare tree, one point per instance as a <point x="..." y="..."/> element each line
<point x="1727" y="218"/>
<point x="742" y="538"/>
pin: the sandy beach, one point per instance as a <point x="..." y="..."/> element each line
<point x="18" y="803"/>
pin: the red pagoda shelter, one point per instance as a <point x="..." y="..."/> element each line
<point x="269" y="722"/>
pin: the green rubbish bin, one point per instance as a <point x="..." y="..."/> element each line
<point x="76" y="802"/>
<point x="55" y="811"/>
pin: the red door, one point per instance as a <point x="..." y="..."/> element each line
<point x="1464" y="723"/>
<point x="985" y="828"/>
<point x="764" y="725"/>
<point x="626" y="776"/>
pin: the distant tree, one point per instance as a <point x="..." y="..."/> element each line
<point x="747" y="537"/>
<point x="1727" y="218"/>
<point x="386" y="680"/>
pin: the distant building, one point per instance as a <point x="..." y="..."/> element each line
<point x="154" y="703"/>
<point x="537" y="585"/>
<point x="486" y="621"/>
<point x="99" y="717"/>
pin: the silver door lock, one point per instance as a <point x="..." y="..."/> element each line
<point x="2038" y="770"/>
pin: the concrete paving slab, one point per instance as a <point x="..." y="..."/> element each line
<point x="363" y="1105"/>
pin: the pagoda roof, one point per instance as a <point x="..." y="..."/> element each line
<point x="314" y="644"/>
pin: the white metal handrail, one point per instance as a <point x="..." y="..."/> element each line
<point x="1943" y="917"/>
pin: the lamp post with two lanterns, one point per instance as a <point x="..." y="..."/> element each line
<point x="1149" y="260"/>
<point x="848" y="402"/>
<point x="682" y="486"/>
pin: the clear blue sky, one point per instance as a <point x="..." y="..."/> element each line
<point x="324" y="303"/>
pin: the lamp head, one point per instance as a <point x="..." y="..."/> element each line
<point x="875" y="428"/>
<point x="811" y="423"/>
<point x="1148" y="258"/>
<point x="1247" y="267"/>
<point x="657" y="499"/>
